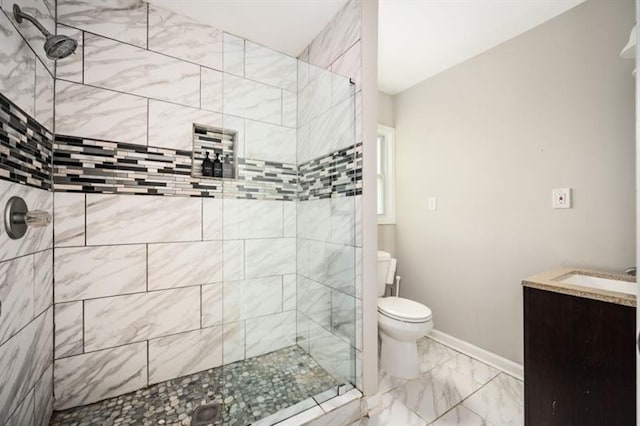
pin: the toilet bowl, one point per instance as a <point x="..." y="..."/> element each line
<point x="401" y="322"/>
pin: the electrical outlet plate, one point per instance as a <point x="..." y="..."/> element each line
<point x="561" y="198"/>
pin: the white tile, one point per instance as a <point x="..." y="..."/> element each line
<point x="303" y="418"/>
<point x="266" y="257"/>
<point x="349" y="65"/>
<point x="118" y="320"/>
<point x="44" y="398"/>
<point x="250" y="99"/>
<point x="358" y="119"/>
<point x="332" y="265"/>
<point x="128" y="219"/>
<point x="333" y="130"/>
<point x="252" y="219"/>
<point x="24" y="413"/>
<point x="314" y="219"/>
<point x="233" y="54"/>
<point x="343" y="220"/>
<point x="87" y="378"/>
<point x="70" y="68"/>
<point x="211" y="305"/>
<point x="270" y="142"/>
<point x="171" y="126"/>
<point x="270" y="67"/>
<point x="183" y="264"/>
<point x="341" y="33"/>
<point x="315" y="98"/>
<point x="233" y="342"/>
<point x="237" y="125"/>
<point x="270" y="333"/>
<point x="477" y="370"/>
<point x="302" y="330"/>
<point x="212" y="218"/>
<point x="387" y="382"/>
<point x="332" y="353"/>
<point x="124" y="20"/>
<point x="100" y="114"/>
<point x="289" y="108"/>
<point x="252" y="298"/>
<point x="68" y="219"/>
<point x="358" y="219"/>
<point x="343" y="316"/>
<point x="282" y="416"/>
<point x="89" y="272"/>
<point x="233" y="254"/>
<point x="17" y="67"/>
<point x="211" y="90"/>
<point x="44" y="97"/>
<point x="500" y="402"/>
<point x="315" y="301"/>
<point x="340" y="400"/>
<point x="117" y="66"/>
<point x="182" y="37"/>
<point x="435" y="392"/>
<point x="460" y="416"/>
<point x="68" y="329"/>
<point x="43" y="280"/>
<point x="39" y="10"/>
<point x="184" y="353"/>
<point x="23" y="360"/>
<point x="17" y="295"/>
<point x="394" y="413"/>
<point x="289" y="220"/>
<point x="289" y="284"/>
<point x="432" y="354"/>
<point x="346" y="414"/>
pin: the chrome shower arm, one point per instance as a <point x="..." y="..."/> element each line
<point x="19" y="15"/>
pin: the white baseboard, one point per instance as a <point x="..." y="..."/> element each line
<point x="511" y="368"/>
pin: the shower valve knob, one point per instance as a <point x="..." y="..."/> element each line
<point x="17" y="218"/>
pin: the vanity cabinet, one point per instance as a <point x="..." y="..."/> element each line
<point x="579" y="360"/>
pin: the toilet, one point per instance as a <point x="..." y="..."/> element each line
<point x="401" y="322"/>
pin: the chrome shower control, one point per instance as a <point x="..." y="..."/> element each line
<point x="17" y="218"/>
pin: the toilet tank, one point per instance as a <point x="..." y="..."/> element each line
<point x="384" y="259"/>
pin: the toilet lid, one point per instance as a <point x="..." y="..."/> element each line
<point x="403" y="309"/>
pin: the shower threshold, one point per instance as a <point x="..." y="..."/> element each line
<point x="238" y="394"/>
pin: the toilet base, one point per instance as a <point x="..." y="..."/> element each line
<point x="399" y="359"/>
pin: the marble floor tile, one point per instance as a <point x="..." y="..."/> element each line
<point x="387" y="382"/>
<point x="460" y="416"/>
<point x="436" y="392"/>
<point x="432" y="354"/>
<point x="478" y="371"/>
<point x="501" y="401"/>
<point x="394" y="413"/>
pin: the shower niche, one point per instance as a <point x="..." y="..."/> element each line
<point x="214" y="152"/>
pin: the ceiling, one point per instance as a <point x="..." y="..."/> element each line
<point x="287" y="26"/>
<point x="420" y="38"/>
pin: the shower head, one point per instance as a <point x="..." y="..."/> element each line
<point x="56" y="46"/>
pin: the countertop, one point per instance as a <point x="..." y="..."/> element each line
<point x="550" y="281"/>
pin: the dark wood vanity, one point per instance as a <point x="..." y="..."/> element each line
<point x="579" y="357"/>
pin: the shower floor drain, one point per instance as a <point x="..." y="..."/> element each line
<point x="206" y="414"/>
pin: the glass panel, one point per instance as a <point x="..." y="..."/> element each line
<point x="288" y="299"/>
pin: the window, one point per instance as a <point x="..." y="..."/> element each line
<point x="386" y="176"/>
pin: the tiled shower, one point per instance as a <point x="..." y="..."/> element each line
<point x="152" y="271"/>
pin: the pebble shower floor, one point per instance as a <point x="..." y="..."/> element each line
<point x="250" y="390"/>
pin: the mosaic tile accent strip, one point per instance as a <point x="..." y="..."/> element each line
<point x="250" y="390"/>
<point x="336" y="174"/>
<point x="25" y="147"/>
<point x="96" y="166"/>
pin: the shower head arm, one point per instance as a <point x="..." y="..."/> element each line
<point x="19" y="15"/>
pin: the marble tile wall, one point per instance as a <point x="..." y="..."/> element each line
<point x="329" y="239"/>
<point x="140" y="279"/>
<point x="26" y="265"/>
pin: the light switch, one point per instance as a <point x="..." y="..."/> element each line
<point x="561" y="198"/>
<point x="433" y="203"/>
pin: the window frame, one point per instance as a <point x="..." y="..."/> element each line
<point x="389" y="177"/>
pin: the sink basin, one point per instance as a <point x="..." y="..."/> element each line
<point x="607" y="284"/>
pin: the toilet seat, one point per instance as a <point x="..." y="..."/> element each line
<point x="403" y="309"/>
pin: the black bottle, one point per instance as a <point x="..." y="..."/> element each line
<point x="217" y="167"/>
<point x="207" y="166"/>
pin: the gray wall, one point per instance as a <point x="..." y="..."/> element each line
<point x="491" y="137"/>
